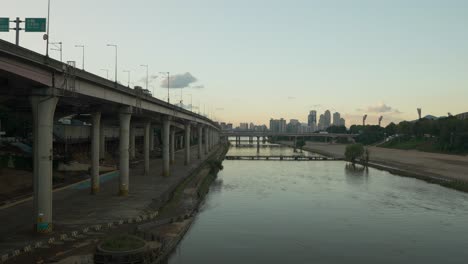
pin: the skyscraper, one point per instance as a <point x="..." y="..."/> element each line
<point x="327" y="119"/>
<point x="312" y="118"/>
<point x="336" y="119"/>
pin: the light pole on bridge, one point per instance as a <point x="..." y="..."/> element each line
<point x="115" y="46"/>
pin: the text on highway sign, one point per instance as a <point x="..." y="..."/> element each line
<point x="35" y="25"/>
<point x="4" y="24"/>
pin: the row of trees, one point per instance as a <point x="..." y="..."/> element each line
<point x="447" y="134"/>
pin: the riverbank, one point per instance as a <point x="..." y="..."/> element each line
<point x="447" y="170"/>
<point x="82" y="220"/>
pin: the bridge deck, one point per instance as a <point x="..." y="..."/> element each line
<point x="286" y="158"/>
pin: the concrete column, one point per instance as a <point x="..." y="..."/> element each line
<point x="147" y="146"/>
<point x="132" y="142"/>
<point x="172" y="148"/>
<point x="200" y="141"/>
<point x="151" y="138"/>
<point x="207" y="144"/>
<point x="165" y="144"/>
<point x="124" y="137"/>
<point x="187" y="144"/>
<point x="102" y="141"/>
<point x="43" y="108"/>
<point x="258" y="144"/>
<point x="95" y="137"/>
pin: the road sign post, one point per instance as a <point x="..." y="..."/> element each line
<point x="4" y="24"/>
<point x="35" y="25"/>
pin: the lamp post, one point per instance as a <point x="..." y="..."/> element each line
<point x="82" y="59"/>
<point x="115" y="46"/>
<point x="128" y="78"/>
<point x="48" y="24"/>
<point x="190" y="102"/>
<point x="147" y="76"/>
<point x="107" y="73"/>
<point x="58" y="49"/>
<point x="168" y="85"/>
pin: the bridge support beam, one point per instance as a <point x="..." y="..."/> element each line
<point x="151" y="138"/>
<point x="124" y="138"/>
<point x="166" y="130"/>
<point x="200" y="141"/>
<point x="95" y="137"/>
<point x="132" y="142"/>
<point x="187" y="143"/>
<point x="207" y="150"/>
<point x="295" y="144"/>
<point x="102" y="141"/>
<point x="172" y="147"/>
<point x="43" y="108"/>
<point x="258" y="144"/>
<point x="146" y="146"/>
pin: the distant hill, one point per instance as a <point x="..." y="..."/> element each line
<point x="430" y="117"/>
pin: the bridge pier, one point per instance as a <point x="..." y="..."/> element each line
<point x="258" y="144"/>
<point x="207" y="150"/>
<point x="102" y="142"/>
<point x="151" y="138"/>
<point x="187" y="143"/>
<point x="95" y="137"/>
<point x="132" y="142"/>
<point x="165" y="145"/>
<point x="172" y="147"/>
<point x="146" y="147"/>
<point x="200" y="141"/>
<point x="124" y="138"/>
<point x="43" y="108"/>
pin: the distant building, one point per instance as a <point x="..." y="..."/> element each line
<point x="327" y="119"/>
<point x="312" y="118"/>
<point x="321" y="123"/>
<point x="342" y="122"/>
<point x="244" y="126"/>
<point x="336" y="119"/>
<point x="277" y="125"/>
<point x="293" y="126"/>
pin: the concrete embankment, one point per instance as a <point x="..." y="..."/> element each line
<point x="82" y="220"/>
<point x="447" y="170"/>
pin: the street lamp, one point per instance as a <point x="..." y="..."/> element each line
<point x="128" y="77"/>
<point x="146" y="66"/>
<point x="107" y="73"/>
<point x="48" y="23"/>
<point x="190" y="102"/>
<point x="168" y="101"/>
<point x="59" y="48"/>
<point x="82" y="61"/>
<point x="115" y="46"/>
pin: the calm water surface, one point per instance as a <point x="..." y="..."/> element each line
<point x="320" y="212"/>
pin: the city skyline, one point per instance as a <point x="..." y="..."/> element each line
<point x="382" y="69"/>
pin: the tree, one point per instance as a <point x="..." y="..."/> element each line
<point x="354" y="152"/>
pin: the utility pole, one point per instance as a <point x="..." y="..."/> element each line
<point x="115" y="46"/>
<point x="17" y="28"/>
<point x="58" y="49"/>
<point x="147" y="76"/>
<point x="48" y="23"/>
<point x="168" y="85"/>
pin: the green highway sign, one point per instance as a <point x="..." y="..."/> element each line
<point x="35" y="25"/>
<point x="4" y="24"/>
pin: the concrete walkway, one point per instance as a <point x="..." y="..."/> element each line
<point x="74" y="208"/>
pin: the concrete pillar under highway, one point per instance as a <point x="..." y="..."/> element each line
<point x="166" y="130"/>
<point x="95" y="137"/>
<point x="102" y="141"/>
<point x="187" y="144"/>
<point x="151" y="139"/>
<point x="258" y="144"/>
<point x="207" y="150"/>
<point x="295" y="144"/>
<point x="146" y="146"/>
<point x="200" y="142"/>
<point x="172" y="148"/>
<point x="43" y="108"/>
<point x="132" y="142"/>
<point x="124" y="137"/>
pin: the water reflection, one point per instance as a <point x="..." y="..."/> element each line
<point x="318" y="212"/>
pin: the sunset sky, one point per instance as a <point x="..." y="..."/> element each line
<point x="257" y="59"/>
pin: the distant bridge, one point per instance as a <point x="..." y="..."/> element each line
<point x="284" y="134"/>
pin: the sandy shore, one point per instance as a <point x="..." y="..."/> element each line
<point x="451" y="167"/>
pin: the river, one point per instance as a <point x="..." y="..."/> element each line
<point x="322" y="212"/>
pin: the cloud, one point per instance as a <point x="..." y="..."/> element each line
<point x="179" y="80"/>
<point x="380" y="108"/>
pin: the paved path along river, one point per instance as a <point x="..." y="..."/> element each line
<point x="322" y="212"/>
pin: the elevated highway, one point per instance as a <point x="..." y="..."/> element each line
<point x="46" y="90"/>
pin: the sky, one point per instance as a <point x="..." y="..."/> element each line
<point x="252" y="60"/>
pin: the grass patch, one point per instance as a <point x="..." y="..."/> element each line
<point x="122" y="243"/>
